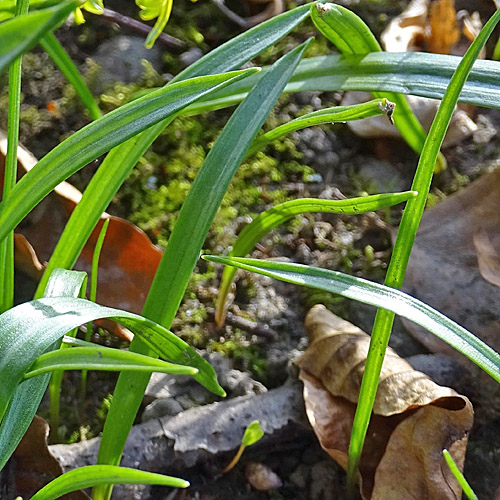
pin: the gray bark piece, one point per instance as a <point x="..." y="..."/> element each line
<point x="196" y="436"/>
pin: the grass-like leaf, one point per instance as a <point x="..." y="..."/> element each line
<point x="122" y="159"/>
<point x="376" y="295"/>
<point x="57" y="53"/>
<point x="351" y="36"/>
<point x="469" y="492"/>
<point x="92" y="475"/>
<point x="29" y="329"/>
<point x="99" y="137"/>
<point x="402" y="248"/>
<point x="414" y="73"/>
<point x="20" y="34"/>
<point x="335" y="114"/>
<point x="102" y="358"/>
<point x="187" y="238"/>
<point x="27" y="396"/>
<point x="268" y="220"/>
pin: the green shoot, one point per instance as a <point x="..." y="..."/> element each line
<point x="253" y="433"/>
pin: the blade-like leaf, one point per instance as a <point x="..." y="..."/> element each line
<point x="414" y="73"/>
<point x="102" y="358"/>
<point x="20" y="34"/>
<point x="187" y="240"/>
<point x="57" y="53"/>
<point x="91" y="475"/>
<point x="120" y="161"/>
<point x="352" y="36"/>
<point x="99" y="137"/>
<point x="27" y="396"/>
<point x="410" y="221"/>
<point x="29" y="329"/>
<point x="379" y="296"/>
<point x="328" y="115"/>
<point x="268" y="220"/>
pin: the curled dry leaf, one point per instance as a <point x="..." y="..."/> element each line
<point x="426" y="27"/>
<point x="414" y="418"/>
<point x="455" y="261"/>
<point x="128" y="260"/>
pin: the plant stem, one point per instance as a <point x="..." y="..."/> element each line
<point x="406" y="235"/>
<point x="10" y="173"/>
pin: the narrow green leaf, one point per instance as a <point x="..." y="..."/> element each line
<point x="20" y="34"/>
<point x="28" y="395"/>
<point x="187" y="240"/>
<point x="469" y="492"/>
<point x="414" y="73"/>
<point x="253" y="433"/>
<point x="57" y="53"/>
<point x="376" y="295"/>
<point x="268" y="220"/>
<point x="120" y="161"/>
<point x="402" y="248"/>
<point x="351" y="36"/>
<point x="102" y="358"/>
<point x="29" y="329"/>
<point x="327" y="115"/>
<point x="99" y="137"/>
<point x="10" y="171"/>
<point x="91" y="475"/>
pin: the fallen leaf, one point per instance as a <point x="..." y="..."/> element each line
<point x="488" y="257"/>
<point x="454" y="263"/>
<point x="414" y="418"/>
<point x="128" y="260"/>
<point x="32" y="465"/>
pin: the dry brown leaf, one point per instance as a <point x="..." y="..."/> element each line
<point x="128" y="259"/>
<point x="488" y="257"/>
<point x="445" y="264"/>
<point x="444" y="32"/>
<point x="414" y="418"/>
<point x="32" y="465"/>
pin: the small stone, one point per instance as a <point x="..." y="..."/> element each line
<point x="161" y="408"/>
<point x="191" y="56"/>
<point x="261" y="477"/>
<point x="300" y="476"/>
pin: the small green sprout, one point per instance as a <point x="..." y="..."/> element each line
<point x="253" y="433"/>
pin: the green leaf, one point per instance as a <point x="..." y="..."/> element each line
<point x="327" y="115"/>
<point x="57" y="53"/>
<point x="27" y="396"/>
<point x="92" y="475"/>
<point x="99" y="137"/>
<point x="253" y="433"/>
<point x="120" y="161"/>
<point x="102" y="358"/>
<point x="414" y="73"/>
<point x="379" y="296"/>
<point x="187" y="238"/>
<point x="152" y="9"/>
<point x="351" y="36"/>
<point x="29" y="329"/>
<point x="469" y="492"/>
<point x="402" y="248"/>
<point x="268" y="220"/>
<point x="20" y="34"/>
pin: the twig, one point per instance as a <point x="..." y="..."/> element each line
<point x="133" y="25"/>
